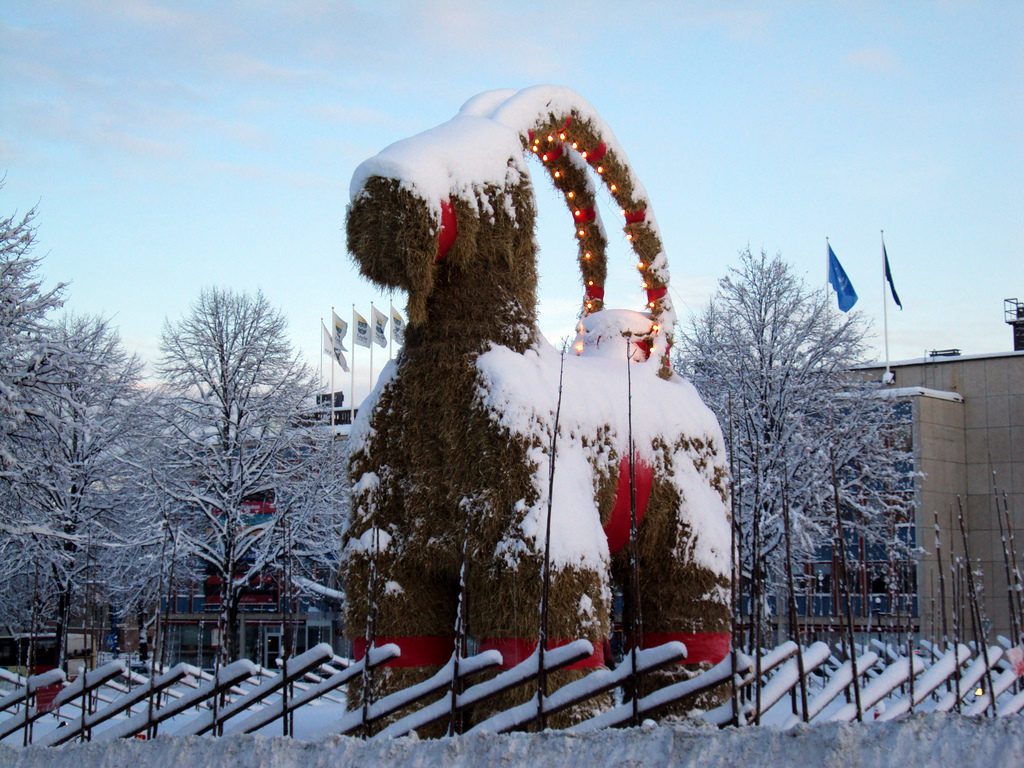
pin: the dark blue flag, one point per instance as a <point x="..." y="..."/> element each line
<point x="837" y="279"/>
<point x="888" y="276"/>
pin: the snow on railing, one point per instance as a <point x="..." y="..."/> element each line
<point x="125" y="702"/>
<point x="969" y="678"/>
<point x="670" y="694"/>
<point x="442" y="679"/>
<point x="375" y="658"/>
<point x="30" y="686"/>
<point x="226" y="677"/>
<point x="242" y="698"/>
<point x="894" y="675"/>
<point x="938" y="673"/>
<point x="723" y="715"/>
<point x="841" y="679"/>
<point x="585" y="688"/>
<point x="523" y="672"/>
<point x="24" y="696"/>
<point x="294" y="668"/>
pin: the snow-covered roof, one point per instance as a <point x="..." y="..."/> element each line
<point x="936" y="360"/>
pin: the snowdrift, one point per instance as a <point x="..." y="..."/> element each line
<point x="927" y="740"/>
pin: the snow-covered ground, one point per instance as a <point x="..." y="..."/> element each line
<point x="921" y="740"/>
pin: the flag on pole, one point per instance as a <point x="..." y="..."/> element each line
<point x="328" y="342"/>
<point x="380" y="324"/>
<point x="362" y="330"/>
<point x="340" y="331"/>
<point x="397" y="326"/>
<point x="331" y="348"/>
<point x="837" y="279"/>
<point x="888" y="276"/>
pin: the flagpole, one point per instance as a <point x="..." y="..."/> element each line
<point x="828" y="266"/>
<point x="391" y="330"/>
<point x="352" y="402"/>
<point x="334" y="413"/>
<point x="373" y="332"/>
<point x="885" y="315"/>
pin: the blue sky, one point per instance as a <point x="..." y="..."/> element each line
<point x="172" y="146"/>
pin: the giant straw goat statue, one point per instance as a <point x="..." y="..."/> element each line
<point x="451" y="454"/>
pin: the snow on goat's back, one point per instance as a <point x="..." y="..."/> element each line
<point x="521" y="391"/>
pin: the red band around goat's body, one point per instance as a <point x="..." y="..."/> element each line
<point x="513" y="650"/>
<point x="417" y="650"/>
<point x="617" y="527"/>
<point x="701" y="647"/>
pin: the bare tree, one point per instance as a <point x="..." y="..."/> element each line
<point x="240" y="441"/>
<point x="780" y="355"/>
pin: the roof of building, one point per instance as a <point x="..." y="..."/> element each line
<point x="937" y="360"/>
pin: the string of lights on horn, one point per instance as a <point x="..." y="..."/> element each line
<point x="568" y="147"/>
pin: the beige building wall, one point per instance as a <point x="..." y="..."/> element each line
<point x="939" y="455"/>
<point x="968" y="430"/>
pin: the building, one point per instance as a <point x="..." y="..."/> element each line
<point x="967" y="423"/>
<point x="274" y="616"/>
<point x="266" y="615"/>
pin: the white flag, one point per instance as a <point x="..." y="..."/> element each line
<point x="361" y="334"/>
<point x="328" y="343"/>
<point x="340" y="331"/>
<point x="380" y="324"/>
<point x="331" y="348"/>
<point x="397" y="326"/>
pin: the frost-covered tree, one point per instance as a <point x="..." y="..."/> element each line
<point x="69" y="493"/>
<point x="24" y="307"/>
<point x="317" y="500"/>
<point x="772" y="358"/>
<point x="238" y="434"/>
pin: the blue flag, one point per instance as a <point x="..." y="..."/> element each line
<point x="837" y="279"/>
<point x="888" y="276"/>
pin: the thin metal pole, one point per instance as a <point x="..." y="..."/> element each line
<point x="976" y="609"/>
<point x="461" y="619"/>
<point x="352" y="379"/>
<point x="954" y="573"/>
<point x="373" y="342"/>
<point x="733" y="575"/>
<point x="333" y="361"/>
<point x="885" y="310"/>
<point x="756" y="588"/>
<point x="1017" y="586"/>
<point x="942" y="580"/>
<point x="1011" y="603"/>
<point x="542" y="675"/>
<point x="846" y="590"/>
<point x="371" y="630"/>
<point x="634" y="565"/>
<point x="794" y="626"/>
